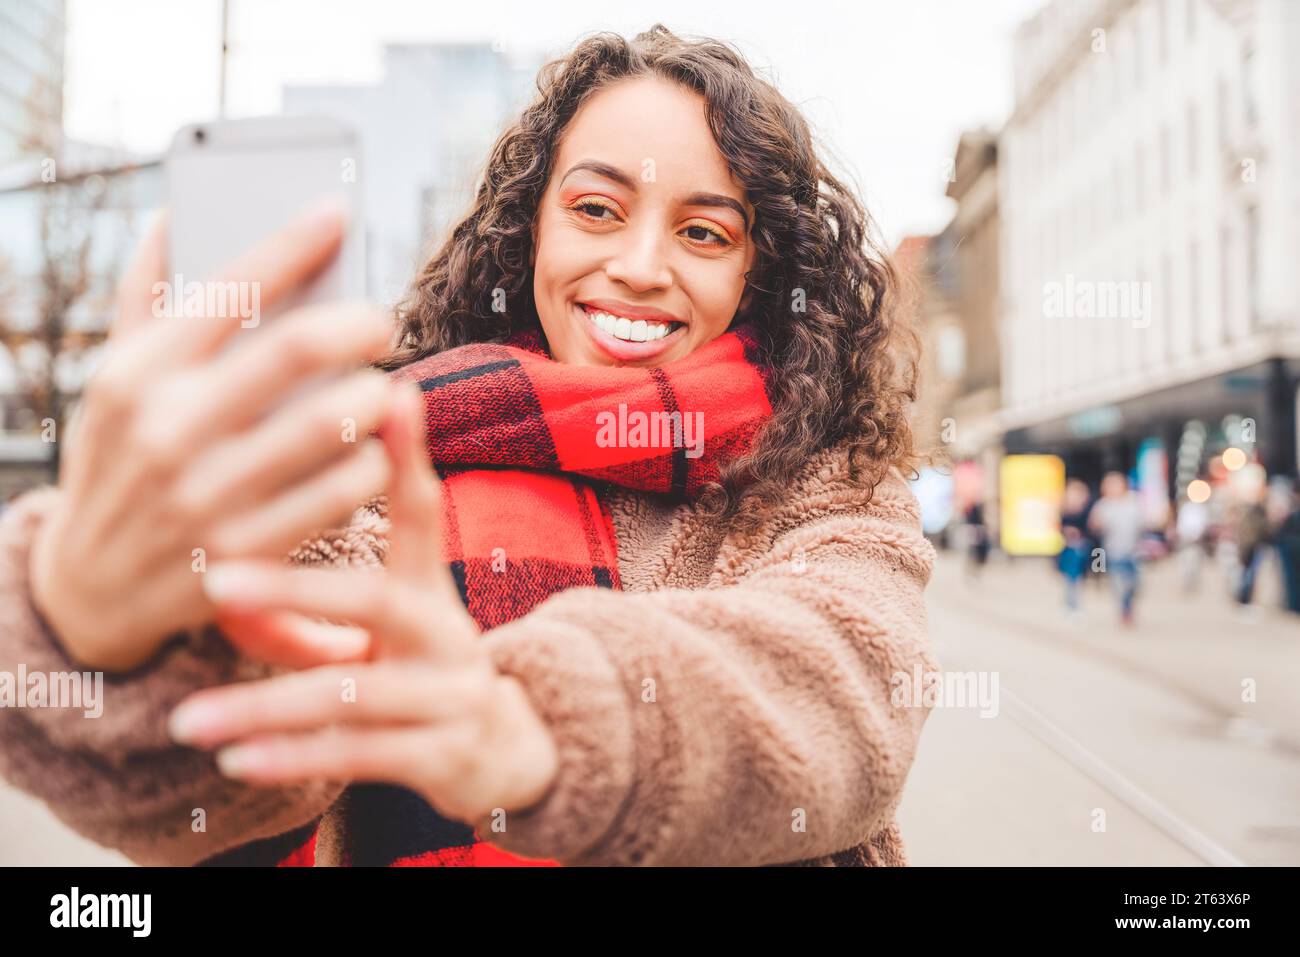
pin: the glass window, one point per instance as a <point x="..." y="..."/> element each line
<point x="1162" y="29"/>
<point x="1137" y="50"/>
<point x="1252" y="266"/>
<point x="1139" y="183"/>
<point x="1166" y="303"/>
<point x="951" y="352"/>
<point x="1166" y="162"/>
<point x="1225" y="278"/>
<point x="1221" y="104"/>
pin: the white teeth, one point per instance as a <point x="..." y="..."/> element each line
<point x="623" y="328"/>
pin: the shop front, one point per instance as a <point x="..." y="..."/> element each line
<point x="1176" y="435"/>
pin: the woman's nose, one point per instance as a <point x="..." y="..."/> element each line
<point x="640" y="262"/>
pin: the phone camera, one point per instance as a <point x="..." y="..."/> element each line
<point x="200" y="135"/>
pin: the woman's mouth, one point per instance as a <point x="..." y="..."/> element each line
<point x="629" y="339"/>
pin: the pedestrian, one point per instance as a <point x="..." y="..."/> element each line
<point x="1190" y="529"/>
<point x="1073" y="559"/>
<point x="1287" y="545"/>
<point x="977" y="539"/>
<point x="1253" y="536"/>
<point x="1117" y="520"/>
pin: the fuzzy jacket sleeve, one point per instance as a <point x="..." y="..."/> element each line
<point x="746" y="723"/>
<point x="117" y="778"/>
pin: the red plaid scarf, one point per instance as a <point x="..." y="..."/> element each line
<point x="524" y="446"/>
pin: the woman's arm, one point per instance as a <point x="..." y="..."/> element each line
<point x="113" y="775"/>
<point x="748" y="723"/>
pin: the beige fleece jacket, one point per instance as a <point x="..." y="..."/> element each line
<point x="731" y="706"/>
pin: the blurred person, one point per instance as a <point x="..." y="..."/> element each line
<point x="1222" y="535"/>
<point x="772" y="584"/>
<point x="1073" y="560"/>
<point x="1286" y="543"/>
<point x="976" y="537"/>
<point x="1117" y="521"/>
<point x="1190" y="532"/>
<point x="1253" y="536"/>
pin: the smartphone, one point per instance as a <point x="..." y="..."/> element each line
<point x="230" y="183"/>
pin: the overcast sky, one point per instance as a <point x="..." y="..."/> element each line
<point x="887" y="84"/>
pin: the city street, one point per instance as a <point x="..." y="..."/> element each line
<point x="1146" y="726"/>
<point x="32" y="837"/>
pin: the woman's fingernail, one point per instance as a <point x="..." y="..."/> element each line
<point x="240" y="760"/>
<point x="192" y="722"/>
<point x="230" y="583"/>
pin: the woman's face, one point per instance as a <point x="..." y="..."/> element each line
<point x="642" y="241"/>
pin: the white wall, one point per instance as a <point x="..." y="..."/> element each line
<point x="1115" y="168"/>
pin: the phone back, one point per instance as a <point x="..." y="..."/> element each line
<point x="233" y="182"/>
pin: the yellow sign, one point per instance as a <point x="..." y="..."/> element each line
<point x="1031" y="489"/>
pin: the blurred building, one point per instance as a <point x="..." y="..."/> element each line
<point x="928" y="273"/>
<point x="927" y="269"/>
<point x="1149" y="209"/>
<point x="61" y="232"/>
<point x="31" y="71"/>
<point x="975" y="437"/>
<point x="952" y="280"/>
<point x="63" y="245"/>
<point x="425" y="132"/>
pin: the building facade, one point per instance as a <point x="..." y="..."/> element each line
<point x="425" y="132"/>
<point x="31" y="73"/>
<point x="1150" y="232"/>
<point x="974" y="237"/>
<point x="952" y="284"/>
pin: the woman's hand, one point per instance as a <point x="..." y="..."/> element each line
<point x="423" y="707"/>
<point x="174" y="462"/>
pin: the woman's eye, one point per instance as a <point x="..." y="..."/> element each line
<point x="594" y="210"/>
<point x="695" y="232"/>
<point x="705" y="235"/>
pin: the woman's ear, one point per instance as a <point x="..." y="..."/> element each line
<point x="746" y="300"/>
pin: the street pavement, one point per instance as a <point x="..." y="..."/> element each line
<point x="1111" y="746"/>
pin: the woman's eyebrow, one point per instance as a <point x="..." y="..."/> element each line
<point x="602" y="169"/>
<point x="627" y="182"/>
<point x="713" y="199"/>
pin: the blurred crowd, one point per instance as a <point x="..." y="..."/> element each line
<point x="1216" y="535"/>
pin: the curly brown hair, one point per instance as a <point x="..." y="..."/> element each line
<point x="822" y="294"/>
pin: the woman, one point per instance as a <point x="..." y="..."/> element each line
<point x="571" y="646"/>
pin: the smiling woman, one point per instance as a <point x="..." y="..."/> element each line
<point x="645" y="209"/>
<point x="647" y="607"/>
<point x="662" y="180"/>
